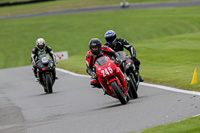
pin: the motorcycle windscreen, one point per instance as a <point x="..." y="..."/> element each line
<point x="122" y="55"/>
<point x="101" y="61"/>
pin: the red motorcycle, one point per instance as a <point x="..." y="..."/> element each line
<point x="111" y="79"/>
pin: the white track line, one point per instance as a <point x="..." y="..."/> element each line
<point x="171" y="89"/>
<point x="72" y="73"/>
<point x="144" y="84"/>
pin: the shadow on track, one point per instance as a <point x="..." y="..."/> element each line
<point x="118" y="104"/>
<point x="44" y="94"/>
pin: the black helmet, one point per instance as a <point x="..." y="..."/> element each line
<point x="95" y="46"/>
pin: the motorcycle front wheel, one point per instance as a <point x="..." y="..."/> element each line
<point x="118" y="92"/>
<point x="48" y="84"/>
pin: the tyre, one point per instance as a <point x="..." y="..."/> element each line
<point x="48" y="84"/>
<point x="129" y="92"/>
<point x="133" y="89"/>
<point x="135" y="81"/>
<point x="118" y="92"/>
<point x="128" y="97"/>
<point x="45" y="90"/>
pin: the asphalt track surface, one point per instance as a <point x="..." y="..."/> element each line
<point x="110" y="8"/>
<point x="75" y="107"/>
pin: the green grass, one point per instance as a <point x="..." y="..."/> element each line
<point x="63" y="5"/>
<point x="171" y="60"/>
<point x="190" y="125"/>
<point x="12" y="1"/>
<point x="166" y="40"/>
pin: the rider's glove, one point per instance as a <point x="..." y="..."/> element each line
<point x="55" y="62"/>
<point x="93" y="74"/>
<point x="134" y="58"/>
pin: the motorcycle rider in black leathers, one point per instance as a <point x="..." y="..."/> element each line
<point x="41" y="49"/>
<point x="118" y="44"/>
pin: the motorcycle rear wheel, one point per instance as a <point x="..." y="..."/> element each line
<point x="133" y="88"/>
<point x="118" y="92"/>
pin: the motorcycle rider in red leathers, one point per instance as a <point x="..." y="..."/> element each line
<point x="96" y="50"/>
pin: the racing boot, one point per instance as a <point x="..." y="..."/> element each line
<point x="141" y="79"/>
<point x="36" y="78"/>
<point x="94" y="83"/>
<point x="35" y="73"/>
<point x="54" y="73"/>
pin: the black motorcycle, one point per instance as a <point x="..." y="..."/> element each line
<point x="132" y="76"/>
<point x="46" y="72"/>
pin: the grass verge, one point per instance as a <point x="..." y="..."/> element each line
<point x="62" y="5"/>
<point x="190" y="125"/>
<point x="166" y="40"/>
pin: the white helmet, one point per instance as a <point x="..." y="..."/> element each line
<point x="40" y="43"/>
